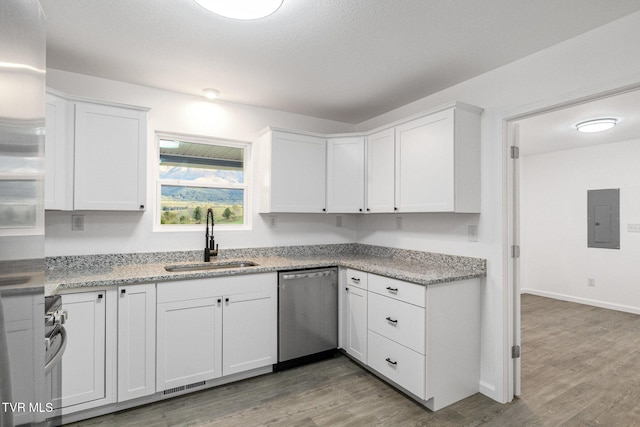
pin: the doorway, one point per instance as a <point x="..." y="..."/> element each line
<point x="551" y="168"/>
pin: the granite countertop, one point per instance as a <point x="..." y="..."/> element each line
<point x="68" y="274"/>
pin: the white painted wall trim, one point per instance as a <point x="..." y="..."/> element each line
<point x="585" y="301"/>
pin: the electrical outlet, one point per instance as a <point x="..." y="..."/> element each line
<point x="273" y="222"/>
<point x="338" y="221"/>
<point x="398" y="223"/>
<point x="77" y="222"/>
<point x="472" y="233"/>
<point x="591" y="281"/>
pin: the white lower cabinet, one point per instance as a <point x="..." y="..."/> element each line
<point x="355" y="315"/>
<point x="189" y="337"/>
<point x="136" y="341"/>
<point x="424" y="339"/>
<point x="207" y="328"/>
<point x="87" y="366"/>
<point x="248" y="331"/>
<point x="400" y="364"/>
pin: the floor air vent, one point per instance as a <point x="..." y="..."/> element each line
<point x="183" y="388"/>
<point x="194" y="385"/>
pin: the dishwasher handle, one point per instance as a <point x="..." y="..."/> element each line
<point x="309" y="275"/>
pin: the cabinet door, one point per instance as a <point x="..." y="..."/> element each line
<point x="110" y="158"/>
<point x="249" y="331"/>
<point x="425" y="164"/>
<point x="83" y="362"/>
<point x="356" y="322"/>
<point x="189" y="342"/>
<point x="345" y="175"/>
<point x="136" y="341"/>
<point x="297" y="173"/>
<point x="58" y="154"/>
<point x="380" y="171"/>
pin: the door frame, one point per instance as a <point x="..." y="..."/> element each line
<point x="511" y="222"/>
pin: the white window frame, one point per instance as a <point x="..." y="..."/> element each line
<point x="247" y="211"/>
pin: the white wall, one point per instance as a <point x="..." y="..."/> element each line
<point x="556" y="261"/>
<point x="121" y="232"/>
<point x="602" y="59"/>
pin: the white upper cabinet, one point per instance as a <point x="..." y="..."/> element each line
<point x="95" y="156"/>
<point x="110" y="158"/>
<point x="437" y="162"/>
<point x="345" y="174"/>
<point x="381" y="171"/>
<point x="58" y="141"/>
<point x="293" y="172"/>
<point x="429" y="163"/>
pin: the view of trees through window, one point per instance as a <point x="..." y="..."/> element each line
<point x="196" y="176"/>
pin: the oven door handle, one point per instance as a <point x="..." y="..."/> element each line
<point x="56" y="359"/>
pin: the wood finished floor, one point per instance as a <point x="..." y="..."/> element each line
<point x="581" y="367"/>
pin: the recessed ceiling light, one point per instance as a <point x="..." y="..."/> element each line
<point x="596" y="125"/>
<point x="211" y="93"/>
<point x="241" y="9"/>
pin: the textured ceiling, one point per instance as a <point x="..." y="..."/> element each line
<point x="346" y="60"/>
<point x="555" y="131"/>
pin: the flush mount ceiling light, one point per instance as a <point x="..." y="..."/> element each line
<point x="241" y="9"/>
<point x="211" y="93"/>
<point x="596" y="125"/>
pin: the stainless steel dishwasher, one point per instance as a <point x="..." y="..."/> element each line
<point x="307" y="316"/>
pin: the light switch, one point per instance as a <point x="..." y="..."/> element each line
<point x="633" y="228"/>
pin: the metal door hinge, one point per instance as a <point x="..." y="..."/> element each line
<point x="515" y="251"/>
<point x="515" y="152"/>
<point x="515" y="352"/>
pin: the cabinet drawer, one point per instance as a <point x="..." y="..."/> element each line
<point x="356" y="278"/>
<point x="401" y="322"/>
<point x="397" y="289"/>
<point x="401" y="365"/>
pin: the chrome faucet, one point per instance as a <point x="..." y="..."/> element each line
<point x="210" y="246"/>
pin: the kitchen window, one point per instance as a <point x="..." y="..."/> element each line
<point x="197" y="173"/>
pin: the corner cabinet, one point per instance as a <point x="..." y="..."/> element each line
<point x="345" y="175"/>
<point x="293" y="173"/>
<point x="95" y="155"/>
<point x="437" y="162"/>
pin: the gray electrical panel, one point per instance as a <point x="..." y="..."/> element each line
<point x="603" y="218"/>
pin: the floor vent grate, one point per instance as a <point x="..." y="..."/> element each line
<point x="184" y="387"/>
<point x="194" y="385"/>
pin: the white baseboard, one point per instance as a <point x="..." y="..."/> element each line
<point x="489" y="390"/>
<point x="585" y="301"/>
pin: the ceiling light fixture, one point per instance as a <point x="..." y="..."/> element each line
<point x="211" y="93"/>
<point x="241" y="9"/>
<point x="596" y="125"/>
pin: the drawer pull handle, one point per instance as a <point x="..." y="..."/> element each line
<point x="391" y="362"/>
<point x="392" y="290"/>
<point x="394" y="321"/>
<point x="355" y="279"/>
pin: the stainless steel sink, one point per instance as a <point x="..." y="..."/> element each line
<point x="209" y="266"/>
